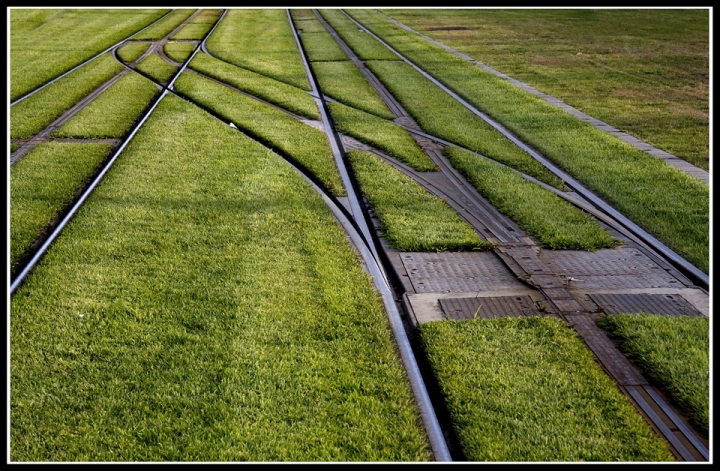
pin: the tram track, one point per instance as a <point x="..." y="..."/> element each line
<point x="514" y="246"/>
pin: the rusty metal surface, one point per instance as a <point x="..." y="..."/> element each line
<point x="663" y="304"/>
<point x="488" y="308"/>
<point x="458" y="272"/>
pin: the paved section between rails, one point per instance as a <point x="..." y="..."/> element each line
<point x="670" y="159"/>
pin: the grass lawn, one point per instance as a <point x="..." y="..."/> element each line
<point x="42" y="184"/>
<point x="214" y="312"/>
<point x="113" y="113"/>
<point x="178" y="51"/>
<point x="384" y="135"/>
<point x="165" y="26"/>
<point x="260" y="40"/>
<point x="307" y="146"/>
<point x="279" y="93"/>
<point x="343" y="81"/>
<point x="157" y="69"/>
<point x="529" y="390"/>
<point x="554" y="222"/>
<point x="652" y="83"/>
<point x="412" y="220"/>
<point x="34" y="114"/>
<point x="39" y="39"/>
<point x="132" y="51"/>
<point x="674" y="351"/>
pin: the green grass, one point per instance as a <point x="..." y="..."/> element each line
<point x="192" y="31"/>
<point x="308" y="146"/>
<point x="365" y="46"/>
<point x="652" y="83"/>
<point x="279" y="93"/>
<point x="42" y="184"/>
<point x="411" y="219"/>
<point x="40" y="38"/>
<point x="213" y="313"/>
<point x="529" y="390"/>
<point x="556" y="223"/>
<point x="132" y="51"/>
<point x="35" y="113"/>
<point x="14" y="147"/>
<point x="307" y="24"/>
<point x="199" y="26"/>
<point x="157" y="69"/>
<point x="676" y="212"/>
<point x="260" y="40"/>
<point x="166" y="26"/>
<point x="179" y="52"/>
<point x="302" y="14"/>
<point x="441" y="115"/>
<point x="343" y="81"/>
<point x="114" y="112"/>
<point x="321" y="46"/>
<point x="384" y="135"/>
<point x="674" y="351"/>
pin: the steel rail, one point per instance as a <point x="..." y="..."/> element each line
<point x="81" y="200"/>
<point x="370" y="254"/>
<point x="85" y="62"/>
<point x="673" y="257"/>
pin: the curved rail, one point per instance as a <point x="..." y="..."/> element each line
<point x="369" y="253"/>
<point x="673" y="257"/>
<point x="85" y="62"/>
<point x="17" y="281"/>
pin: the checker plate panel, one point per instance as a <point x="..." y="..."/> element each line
<point x="458" y="272"/>
<point x="488" y="308"/>
<point x="663" y="304"/>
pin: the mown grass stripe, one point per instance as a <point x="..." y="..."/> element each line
<point x="412" y="220"/>
<point x="194" y="313"/>
<point x="34" y="114"/>
<point x="286" y="96"/>
<point x="166" y="25"/>
<point x="39" y="39"/>
<point x="365" y="46"/>
<point x="554" y="222"/>
<point x="132" y="51"/>
<point x="384" y="135"/>
<point x="42" y="184"/>
<point x="114" y="112"/>
<point x="157" y="69"/>
<point x="674" y="351"/>
<point x="308" y="146"/>
<point x="260" y="40"/>
<point x="529" y="390"/>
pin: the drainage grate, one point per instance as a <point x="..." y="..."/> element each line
<point x="488" y="308"/>
<point x="663" y="304"/>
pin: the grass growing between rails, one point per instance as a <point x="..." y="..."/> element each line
<point x="260" y="40"/>
<point x="528" y="389"/>
<point x="42" y="184"/>
<point x="132" y="51"/>
<point x="412" y="220"/>
<point x="34" y="114"/>
<point x="178" y="51"/>
<point x="279" y="93"/>
<point x="199" y="26"/>
<point x="441" y="115"/>
<point x="652" y="84"/>
<point x="384" y="135"/>
<point x="191" y="315"/>
<point x="344" y="82"/>
<point x="113" y="113"/>
<point x="39" y="40"/>
<point x="308" y="146"/>
<point x="365" y="46"/>
<point x="320" y="45"/>
<point x="674" y="351"/>
<point x="157" y="69"/>
<point x="556" y="223"/>
<point x="676" y="211"/>
<point x="165" y="26"/>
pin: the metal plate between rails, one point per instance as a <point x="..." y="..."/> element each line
<point x="621" y="261"/>
<point x="457" y="272"/>
<point x="488" y="308"/>
<point x="662" y="304"/>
